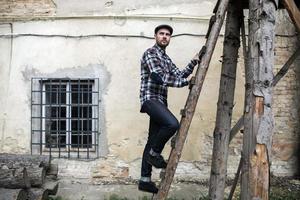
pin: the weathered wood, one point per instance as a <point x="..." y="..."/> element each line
<point x="293" y="11"/>
<point x="37" y="194"/>
<point x="235" y="129"/>
<point x="36" y="176"/>
<point x="12" y="194"/>
<point x="225" y="102"/>
<point x="53" y="170"/>
<point x="14" y="178"/>
<point x="259" y="162"/>
<point x="240" y="122"/>
<point x="51" y="187"/>
<point x="236" y="179"/>
<point x="24" y="160"/>
<point x="277" y="78"/>
<point x="258" y="117"/>
<point x="191" y="102"/>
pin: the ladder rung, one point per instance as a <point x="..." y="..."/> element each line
<point x="192" y="82"/>
<point x="183" y="112"/>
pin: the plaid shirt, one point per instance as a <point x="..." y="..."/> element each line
<point x="158" y="72"/>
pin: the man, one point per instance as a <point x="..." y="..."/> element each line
<point x="158" y="72"/>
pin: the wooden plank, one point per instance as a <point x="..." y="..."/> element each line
<point x="192" y="102"/>
<point x="293" y="11"/>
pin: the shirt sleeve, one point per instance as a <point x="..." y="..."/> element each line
<point x="159" y="75"/>
<point x="186" y="71"/>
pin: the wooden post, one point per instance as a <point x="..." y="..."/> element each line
<point x="192" y="102"/>
<point x="225" y="101"/>
<point x="258" y="116"/>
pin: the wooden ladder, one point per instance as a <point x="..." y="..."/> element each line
<point x="196" y="84"/>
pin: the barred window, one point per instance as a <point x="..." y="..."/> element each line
<point x="65" y="117"/>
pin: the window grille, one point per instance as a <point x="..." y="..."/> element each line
<point x="64" y="117"/>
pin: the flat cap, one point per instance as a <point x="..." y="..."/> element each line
<point x="163" y="26"/>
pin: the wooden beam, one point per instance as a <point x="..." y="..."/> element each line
<point x="225" y="102"/>
<point x="258" y="117"/>
<point x="293" y="11"/>
<point x="236" y="179"/>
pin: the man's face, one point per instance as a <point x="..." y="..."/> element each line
<point x="162" y="37"/>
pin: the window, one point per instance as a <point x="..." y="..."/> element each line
<point x="65" y="117"/>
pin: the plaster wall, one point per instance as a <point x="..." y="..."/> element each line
<point x="105" y="40"/>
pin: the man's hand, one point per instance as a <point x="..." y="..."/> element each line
<point x="196" y="58"/>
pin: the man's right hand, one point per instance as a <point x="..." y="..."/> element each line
<point x="196" y="58"/>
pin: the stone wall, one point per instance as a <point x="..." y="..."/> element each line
<point x="26" y="8"/>
<point x="286" y="109"/>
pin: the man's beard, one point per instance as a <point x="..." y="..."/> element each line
<point x="164" y="45"/>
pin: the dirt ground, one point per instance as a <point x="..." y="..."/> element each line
<point x="281" y="189"/>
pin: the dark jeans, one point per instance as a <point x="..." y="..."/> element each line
<point x="163" y="125"/>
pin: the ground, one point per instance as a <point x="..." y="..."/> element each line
<point x="281" y="189"/>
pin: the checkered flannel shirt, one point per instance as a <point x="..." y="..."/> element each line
<point x="158" y="72"/>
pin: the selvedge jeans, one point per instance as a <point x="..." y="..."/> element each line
<point x="163" y="125"/>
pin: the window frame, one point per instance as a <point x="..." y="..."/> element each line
<point x="88" y="144"/>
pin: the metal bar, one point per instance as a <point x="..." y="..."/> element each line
<point x="69" y="121"/>
<point x="59" y="115"/>
<point x="65" y="118"/>
<point x="59" y="131"/>
<point x="88" y="121"/>
<point x="31" y="86"/>
<point x="78" y="112"/>
<point x="41" y="121"/>
<point x="97" y="121"/>
<point x="50" y="120"/>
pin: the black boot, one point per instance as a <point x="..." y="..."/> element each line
<point x="157" y="161"/>
<point x="148" y="187"/>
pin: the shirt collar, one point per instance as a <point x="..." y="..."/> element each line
<point x="161" y="50"/>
